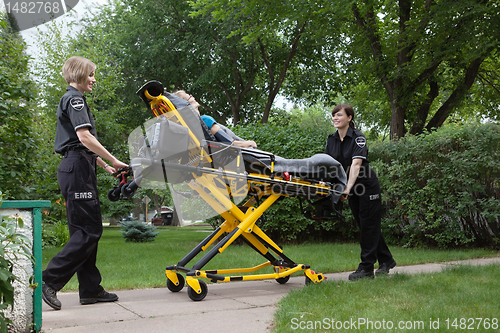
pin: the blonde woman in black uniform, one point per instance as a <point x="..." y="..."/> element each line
<point x="348" y="146"/>
<point x="76" y="140"/>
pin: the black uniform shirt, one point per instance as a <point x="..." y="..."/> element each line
<point x="353" y="146"/>
<point x="73" y="113"/>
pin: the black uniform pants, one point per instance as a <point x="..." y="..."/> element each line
<point x="78" y="182"/>
<point x="367" y="210"/>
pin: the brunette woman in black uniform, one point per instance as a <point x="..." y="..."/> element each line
<point x="348" y="146"/>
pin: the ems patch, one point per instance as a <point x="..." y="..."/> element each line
<point x="77" y="103"/>
<point x="85" y="195"/>
<point x="361" y="141"/>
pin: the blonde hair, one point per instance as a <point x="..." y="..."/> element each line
<point x="77" y="69"/>
<point x="179" y="93"/>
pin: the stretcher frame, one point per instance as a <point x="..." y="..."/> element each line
<point x="239" y="221"/>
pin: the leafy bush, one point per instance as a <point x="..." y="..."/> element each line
<point x="12" y="246"/>
<point x="288" y="141"/>
<point x="442" y="188"/>
<point x="17" y="90"/>
<point x="55" y="225"/>
<point x="54" y="235"/>
<point x="439" y="189"/>
<point x="135" y="231"/>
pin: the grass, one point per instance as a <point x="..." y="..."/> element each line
<point x="459" y="299"/>
<point x="142" y="265"/>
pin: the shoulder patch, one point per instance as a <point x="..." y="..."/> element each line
<point x="361" y="141"/>
<point x="77" y="103"/>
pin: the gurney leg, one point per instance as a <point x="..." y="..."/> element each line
<point x="245" y="226"/>
<point x="313" y="277"/>
<point x="175" y="281"/>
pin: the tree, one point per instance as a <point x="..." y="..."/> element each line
<point x="482" y="102"/>
<point x="54" y="50"/>
<point x="425" y="54"/>
<point x="161" y="41"/>
<point x="280" y="29"/>
<point x="17" y="143"/>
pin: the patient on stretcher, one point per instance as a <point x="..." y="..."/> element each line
<point x="221" y="132"/>
<point x="178" y="138"/>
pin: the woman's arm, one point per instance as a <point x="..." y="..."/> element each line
<point x="89" y="141"/>
<point x="353" y="176"/>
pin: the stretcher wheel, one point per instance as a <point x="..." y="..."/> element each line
<point x="198" y="297"/>
<point x="127" y="191"/>
<point x="114" y="194"/>
<point x="283" y="280"/>
<point x="172" y="287"/>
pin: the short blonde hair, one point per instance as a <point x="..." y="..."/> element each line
<point x="77" y="69"/>
<point x="180" y="93"/>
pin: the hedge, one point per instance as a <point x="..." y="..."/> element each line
<point x="442" y="189"/>
<point x="439" y="189"/>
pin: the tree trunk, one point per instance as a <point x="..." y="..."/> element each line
<point x="136" y="212"/>
<point x="398" y="113"/>
<point x="457" y="95"/>
<point x="423" y="110"/>
<point x="275" y="88"/>
<point x="241" y="88"/>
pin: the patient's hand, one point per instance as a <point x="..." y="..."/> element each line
<point x="245" y="144"/>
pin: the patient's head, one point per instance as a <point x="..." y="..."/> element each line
<point x="184" y="95"/>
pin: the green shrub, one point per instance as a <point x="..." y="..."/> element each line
<point x="285" y="222"/>
<point x="439" y="189"/>
<point x="54" y="235"/>
<point x="288" y="141"/>
<point x="12" y="246"/>
<point x="442" y="188"/>
<point x="135" y="231"/>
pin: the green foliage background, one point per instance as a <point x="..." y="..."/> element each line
<point x="438" y="189"/>
<point x="442" y="188"/>
<point x="17" y="92"/>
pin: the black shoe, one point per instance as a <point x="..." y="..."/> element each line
<point x="49" y="295"/>
<point x="360" y="274"/>
<point x="385" y="267"/>
<point x="103" y="296"/>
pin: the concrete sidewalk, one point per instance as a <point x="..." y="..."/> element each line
<point x="229" y="307"/>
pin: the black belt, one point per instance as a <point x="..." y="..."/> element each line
<point x="74" y="152"/>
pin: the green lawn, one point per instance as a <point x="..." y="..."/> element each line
<point x="142" y="265"/>
<point x="461" y="299"/>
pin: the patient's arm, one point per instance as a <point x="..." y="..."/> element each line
<point x="225" y="138"/>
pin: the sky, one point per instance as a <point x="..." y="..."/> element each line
<point x="82" y="9"/>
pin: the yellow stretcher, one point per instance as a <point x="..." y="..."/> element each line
<point x="239" y="184"/>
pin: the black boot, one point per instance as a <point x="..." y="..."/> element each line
<point x="385" y="267"/>
<point x="360" y="274"/>
<point x="103" y="296"/>
<point x="49" y="295"/>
